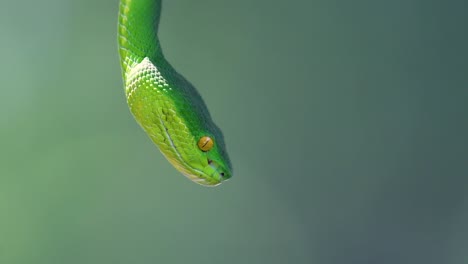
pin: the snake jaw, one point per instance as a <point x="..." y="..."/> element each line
<point x="213" y="174"/>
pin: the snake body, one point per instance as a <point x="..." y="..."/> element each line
<point x="163" y="102"/>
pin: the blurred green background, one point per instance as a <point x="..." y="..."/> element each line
<point x="346" y="123"/>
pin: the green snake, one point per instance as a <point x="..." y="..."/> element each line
<point x="164" y="103"/>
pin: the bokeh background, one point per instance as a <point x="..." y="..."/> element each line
<point x="346" y="123"/>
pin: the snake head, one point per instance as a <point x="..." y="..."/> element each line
<point x="176" y="119"/>
<point x="205" y="162"/>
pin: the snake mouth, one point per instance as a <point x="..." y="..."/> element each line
<point x="213" y="174"/>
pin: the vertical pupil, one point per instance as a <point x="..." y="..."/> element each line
<point x="205" y="143"/>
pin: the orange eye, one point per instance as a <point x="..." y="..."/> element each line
<point x="205" y="143"/>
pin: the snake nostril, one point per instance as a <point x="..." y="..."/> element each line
<point x="222" y="174"/>
<point x="210" y="161"/>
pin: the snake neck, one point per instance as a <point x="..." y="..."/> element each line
<point x="137" y="32"/>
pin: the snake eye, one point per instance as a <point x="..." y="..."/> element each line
<point x="205" y="143"/>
